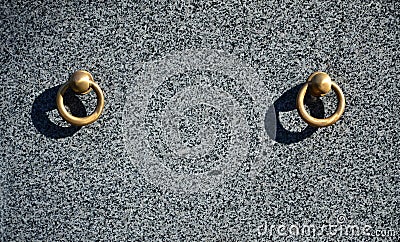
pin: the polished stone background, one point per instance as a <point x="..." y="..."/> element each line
<point x="199" y="139"/>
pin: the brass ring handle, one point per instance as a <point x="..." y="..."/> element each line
<point x="81" y="82"/>
<point x="318" y="85"/>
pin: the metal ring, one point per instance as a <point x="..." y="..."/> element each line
<point x="80" y="121"/>
<point x="320" y="122"/>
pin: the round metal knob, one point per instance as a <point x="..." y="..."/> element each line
<point x="318" y="85"/>
<point x="81" y="82"/>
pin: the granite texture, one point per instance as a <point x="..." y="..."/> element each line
<point x="200" y="138"/>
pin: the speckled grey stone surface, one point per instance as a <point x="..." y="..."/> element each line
<point x="199" y="139"/>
